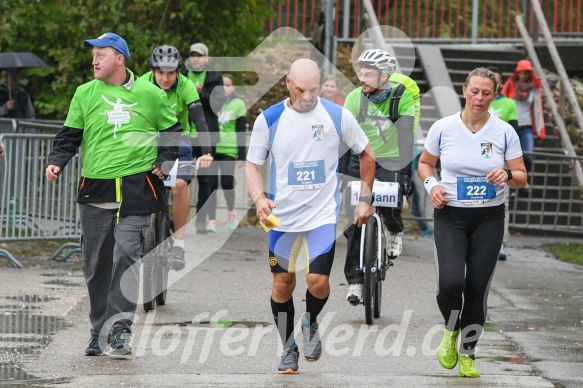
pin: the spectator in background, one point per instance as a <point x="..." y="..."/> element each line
<point x="525" y="88"/>
<point x="230" y="152"/>
<point x="505" y="109"/>
<point x="209" y="86"/>
<point x="329" y="90"/>
<point x="14" y="100"/>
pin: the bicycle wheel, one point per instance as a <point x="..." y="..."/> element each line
<point x="149" y="265"/>
<point x="162" y="253"/>
<point x="370" y="264"/>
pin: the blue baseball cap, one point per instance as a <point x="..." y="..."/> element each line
<point x="109" y="39"/>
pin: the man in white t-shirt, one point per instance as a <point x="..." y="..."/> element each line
<point x="302" y="136"/>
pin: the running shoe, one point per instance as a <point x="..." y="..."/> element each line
<point x="93" y="348"/>
<point x="467" y="367"/>
<point x="394" y="244"/>
<point x="177" y="259"/>
<point x="312" y="343"/>
<point x="427" y="232"/>
<point x="120" y="342"/>
<point x="502" y="254"/>
<point x="232" y="220"/>
<point x="201" y="228"/>
<point x="289" y="361"/>
<point x="354" y="293"/>
<point x="211" y="226"/>
<point x="447" y="351"/>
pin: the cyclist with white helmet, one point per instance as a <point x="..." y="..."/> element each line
<point x="386" y="112"/>
<point x="184" y="100"/>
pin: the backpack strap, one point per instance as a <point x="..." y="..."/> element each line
<point x="363" y="112"/>
<point x="394" y="103"/>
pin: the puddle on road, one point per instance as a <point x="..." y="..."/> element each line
<point x="62" y="282"/>
<point x="26" y="302"/>
<point x="22" y="335"/>
<point x="511" y="359"/>
<point x="509" y="327"/>
<point x="218" y="324"/>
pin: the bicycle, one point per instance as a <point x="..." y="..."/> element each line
<point x="374" y="258"/>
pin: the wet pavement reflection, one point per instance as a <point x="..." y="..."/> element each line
<point x="23" y="333"/>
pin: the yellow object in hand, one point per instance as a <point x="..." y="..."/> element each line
<point x="274" y="221"/>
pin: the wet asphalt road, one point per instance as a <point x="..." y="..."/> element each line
<point x="217" y="328"/>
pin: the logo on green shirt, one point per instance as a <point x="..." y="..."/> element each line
<point x="120" y="114"/>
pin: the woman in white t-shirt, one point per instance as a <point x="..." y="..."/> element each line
<point x="473" y="147"/>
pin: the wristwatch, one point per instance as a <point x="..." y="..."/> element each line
<point x="368" y="199"/>
<point x="509" y="173"/>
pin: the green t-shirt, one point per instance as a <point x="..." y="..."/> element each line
<point x="120" y="126"/>
<point x="228" y="114"/>
<point x="179" y="98"/>
<point x="197" y="78"/>
<point x="390" y="149"/>
<point x="504" y="108"/>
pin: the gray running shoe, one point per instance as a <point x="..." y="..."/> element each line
<point x="119" y="344"/>
<point x="93" y="348"/>
<point x="177" y="258"/>
<point x="312" y="343"/>
<point x="289" y="362"/>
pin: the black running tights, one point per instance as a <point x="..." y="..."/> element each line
<point x="467" y="243"/>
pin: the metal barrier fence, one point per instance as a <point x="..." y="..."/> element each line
<point x="553" y="203"/>
<point x="31" y="208"/>
<point x="7" y="125"/>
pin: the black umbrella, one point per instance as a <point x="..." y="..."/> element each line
<point x="20" y="60"/>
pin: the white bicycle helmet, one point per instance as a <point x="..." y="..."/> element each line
<point x="165" y="58"/>
<point x="378" y="59"/>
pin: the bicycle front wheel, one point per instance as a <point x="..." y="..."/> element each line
<point x="370" y="268"/>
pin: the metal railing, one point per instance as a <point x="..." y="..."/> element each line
<point x="31" y="208"/>
<point x="429" y="20"/>
<point x="552" y="203"/>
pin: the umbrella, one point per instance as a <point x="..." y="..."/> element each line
<point x="19" y="60"/>
<point x="22" y="60"/>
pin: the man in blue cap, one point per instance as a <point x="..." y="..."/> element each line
<point x="117" y="118"/>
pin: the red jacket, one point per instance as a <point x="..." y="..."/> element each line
<point x="512" y="89"/>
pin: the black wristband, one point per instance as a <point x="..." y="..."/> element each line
<point x="509" y="173"/>
<point x="368" y="199"/>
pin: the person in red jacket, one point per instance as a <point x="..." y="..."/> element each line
<point x="525" y="88"/>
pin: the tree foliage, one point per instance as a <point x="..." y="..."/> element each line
<point x="55" y="31"/>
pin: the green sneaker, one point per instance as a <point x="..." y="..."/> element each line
<point x="467" y="367"/>
<point x="447" y="351"/>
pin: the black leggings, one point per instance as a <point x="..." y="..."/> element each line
<point x="467" y="243"/>
<point x="223" y="170"/>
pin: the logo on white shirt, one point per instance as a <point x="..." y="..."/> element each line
<point x="318" y="132"/>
